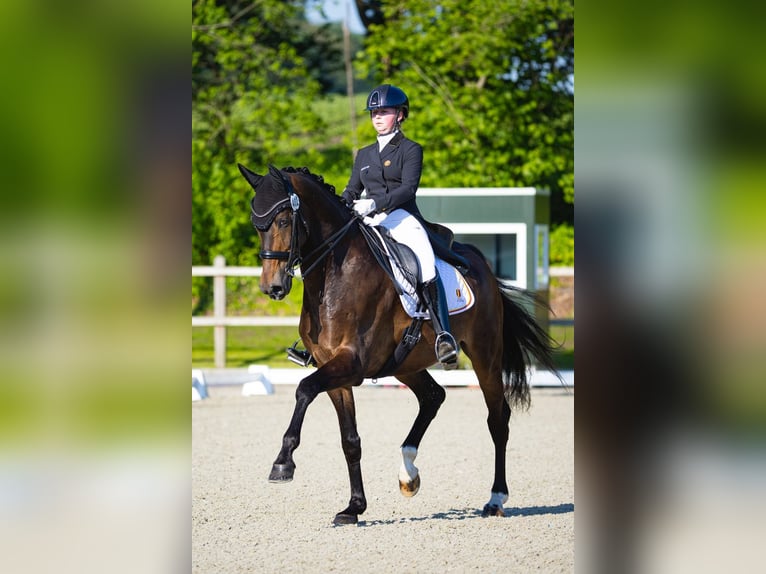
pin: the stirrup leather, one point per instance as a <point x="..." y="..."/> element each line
<point x="445" y="346"/>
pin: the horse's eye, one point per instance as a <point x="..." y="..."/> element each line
<point x="282" y="223"/>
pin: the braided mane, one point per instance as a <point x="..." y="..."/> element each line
<point x="316" y="177"/>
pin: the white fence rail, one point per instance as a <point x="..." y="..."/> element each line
<point x="219" y="320"/>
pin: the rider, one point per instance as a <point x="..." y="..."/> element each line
<point x="383" y="183"/>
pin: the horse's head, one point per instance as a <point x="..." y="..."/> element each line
<point x="276" y="216"/>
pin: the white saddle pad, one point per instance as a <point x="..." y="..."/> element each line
<point x="459" y="295"/>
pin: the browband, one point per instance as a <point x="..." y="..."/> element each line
<point x="262" y="221"/>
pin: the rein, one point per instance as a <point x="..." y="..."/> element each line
<point x="293" y="256"/>
<point x="328" y="244"/>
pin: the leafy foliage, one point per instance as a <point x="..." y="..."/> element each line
<point x="252" y="92"/>
<point x="562" y="246"/>
<point x="491" y="89"/>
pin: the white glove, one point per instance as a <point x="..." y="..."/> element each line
<point x="364" y="206"/>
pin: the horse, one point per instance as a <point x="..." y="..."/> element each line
<point x="352" y="320"/>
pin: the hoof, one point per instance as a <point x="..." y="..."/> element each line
<point x="282" y="473"/>
<point x="492" y="510"/>
<point x="410" y="489"/>
<point x="341" y="519"/>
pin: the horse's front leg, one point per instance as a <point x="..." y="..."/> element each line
<point x="283" y="468"/>
<point x="343" y="401"/>
<point x="342" y="370"/>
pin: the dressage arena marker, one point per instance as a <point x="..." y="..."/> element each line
<point x="260" y="380"/>
<point x="260" y="385"/>
<point x="199" y="387"/>
<point x="457" y="378"/>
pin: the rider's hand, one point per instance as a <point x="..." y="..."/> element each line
<point x="364" y="206"/>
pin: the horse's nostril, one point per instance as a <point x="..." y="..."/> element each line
<point x="277" y="292"/>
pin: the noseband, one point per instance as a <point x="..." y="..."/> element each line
<point x="293" y="256"/>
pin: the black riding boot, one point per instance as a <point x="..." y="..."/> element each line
<point x="436" y="301"/>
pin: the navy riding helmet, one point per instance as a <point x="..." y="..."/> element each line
<point x="388" y="96"/>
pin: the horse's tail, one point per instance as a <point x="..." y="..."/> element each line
<point x="523" y="341"/>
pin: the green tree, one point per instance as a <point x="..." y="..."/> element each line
<point x="492" y="104"/>
<point x="562" y="245"/>
<point x="491" y="86"/>
<point x="251" y="90"/>
<point x="251" y="96"/>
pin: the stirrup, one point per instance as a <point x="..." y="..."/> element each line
<point x="449" y="360"/>
<point x="300" y="357"/>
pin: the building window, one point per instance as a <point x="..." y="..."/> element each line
<point x="501" y="250"/>
<point x="504" y="245"/>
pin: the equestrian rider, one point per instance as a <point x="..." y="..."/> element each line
<point x="383" y="183"/>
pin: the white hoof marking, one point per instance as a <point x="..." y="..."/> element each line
<point x="498" y="499"/>
<point x="408" y="471"/>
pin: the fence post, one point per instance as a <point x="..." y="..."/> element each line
<point x="219" y="311"/>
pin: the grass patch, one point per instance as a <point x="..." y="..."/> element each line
<point x="564" y="360"/>
<point x="335" y="110"/>
<point x="266" y="345"/>
<point x="244" y="346"/>
<point x="563" y="336"/>
<point x="243" y="297"/>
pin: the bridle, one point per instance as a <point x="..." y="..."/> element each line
<point x="293" y="256"/>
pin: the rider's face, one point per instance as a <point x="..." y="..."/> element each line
<point x="383" y="120"/>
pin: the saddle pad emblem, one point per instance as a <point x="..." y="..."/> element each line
<point x="459" y="295"/>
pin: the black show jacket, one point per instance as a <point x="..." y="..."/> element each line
<point x="391" y="177"/>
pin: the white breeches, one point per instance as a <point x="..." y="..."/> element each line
<point x="405" y="228"/>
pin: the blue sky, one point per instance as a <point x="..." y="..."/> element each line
<point x="335" y="11"/>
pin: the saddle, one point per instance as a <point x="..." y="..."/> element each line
<point x="402" y="256"/>
<point x="441" y="239"/>
<point x="392" y="256"/>
<point x="398" y="259"/>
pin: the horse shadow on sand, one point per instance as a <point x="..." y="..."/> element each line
<point x="471" y="513"/>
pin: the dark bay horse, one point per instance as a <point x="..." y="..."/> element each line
<point x="352" y="320"/>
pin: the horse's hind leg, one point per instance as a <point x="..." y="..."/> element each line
<point x="430" y="397"/>
<point x="498" y="417"/>
<point x="343" y="401"/>
<point x="497" y="421"/>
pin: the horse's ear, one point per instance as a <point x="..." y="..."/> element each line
<point x="275" y="172"/>
<point x="252" y="178"/>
